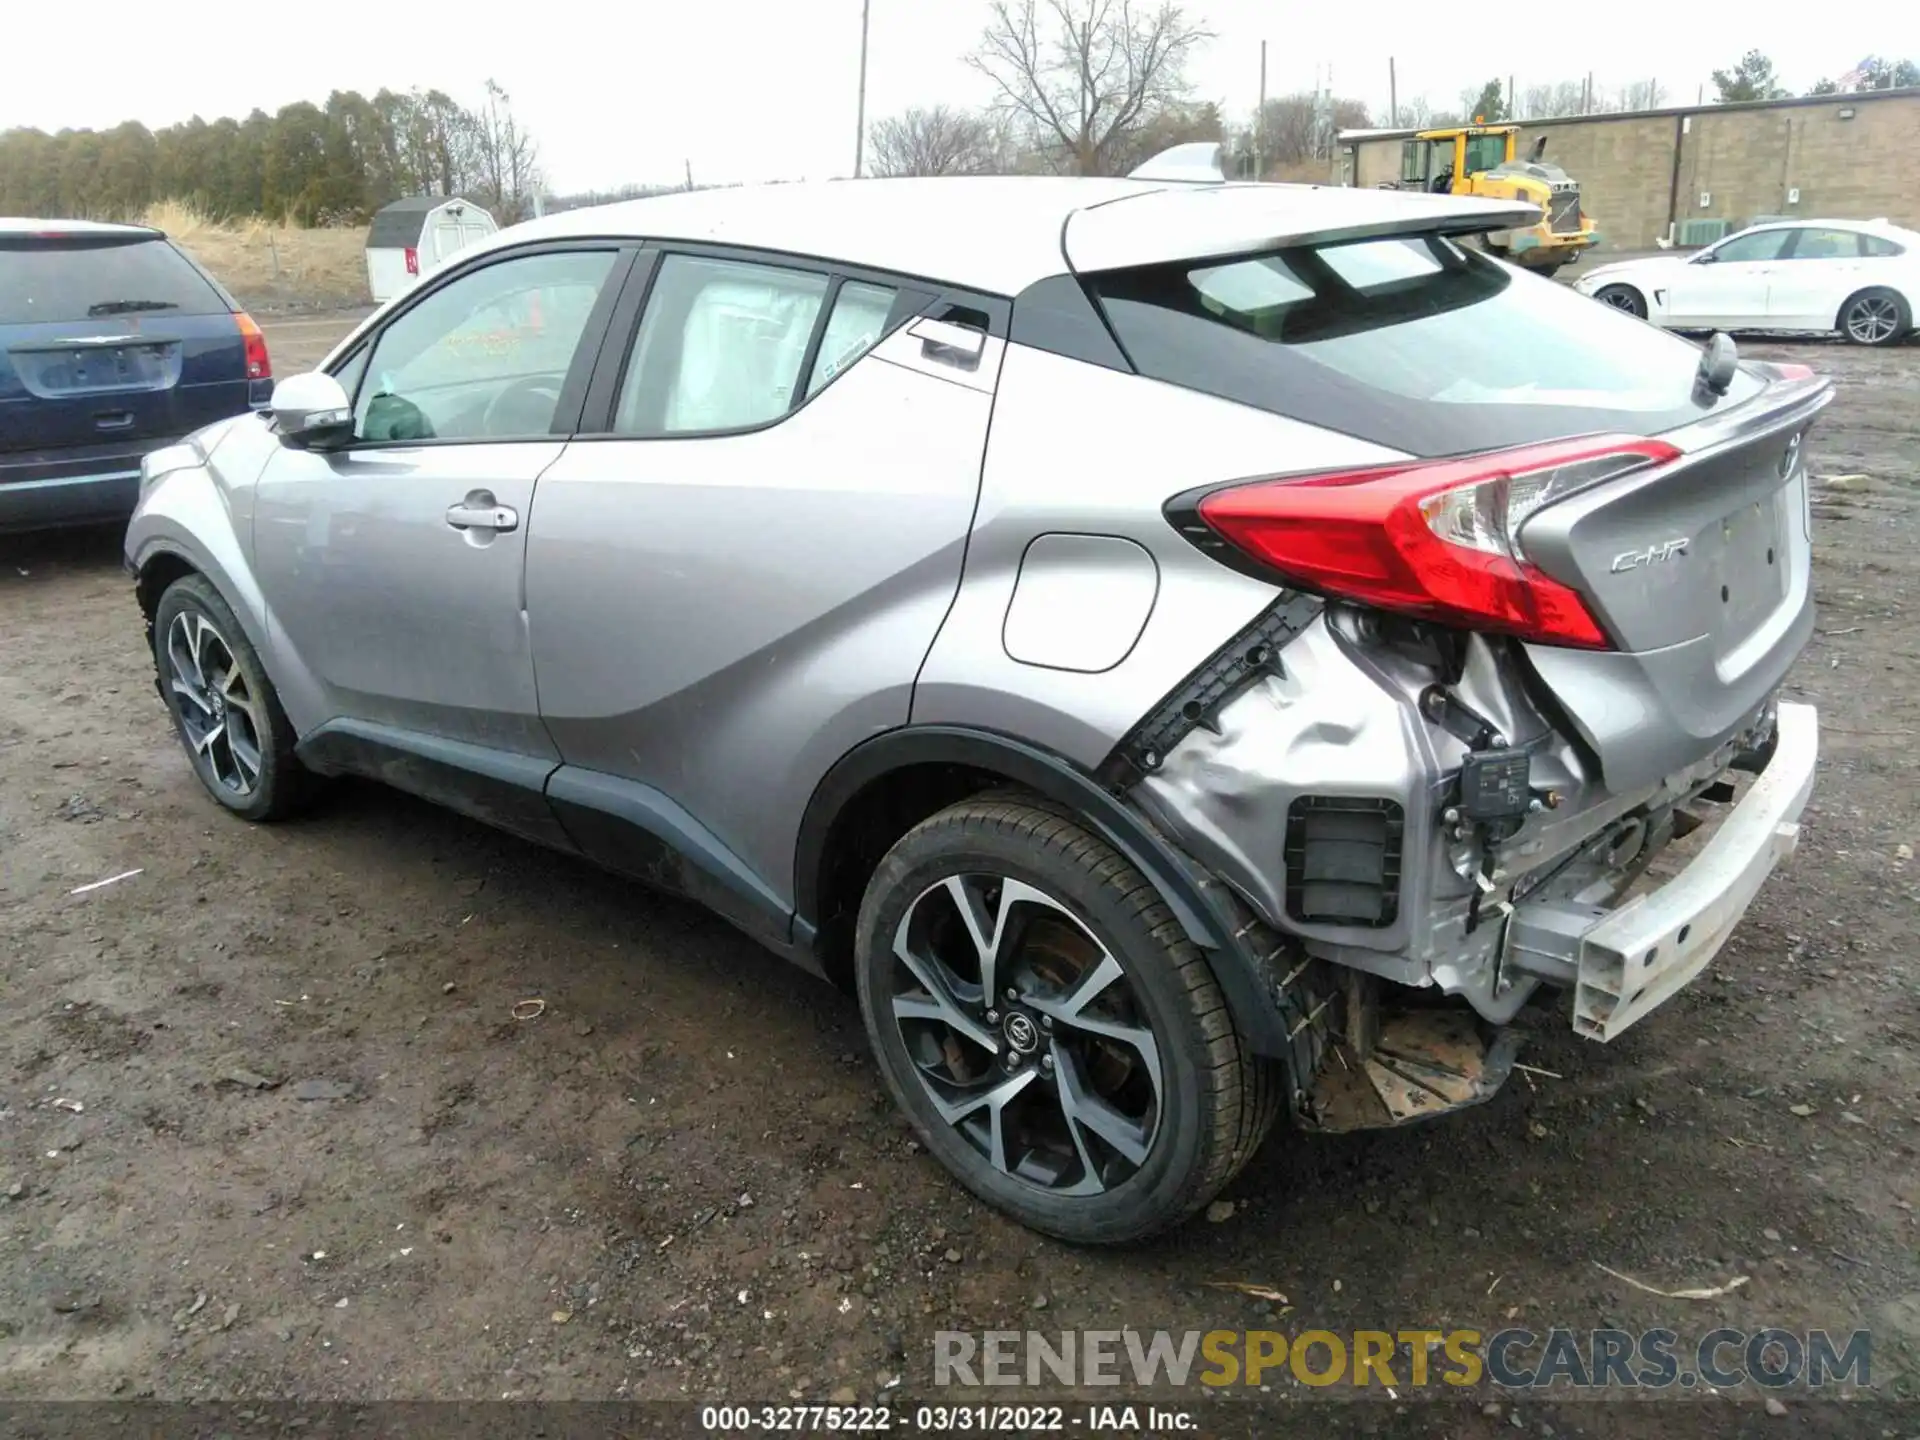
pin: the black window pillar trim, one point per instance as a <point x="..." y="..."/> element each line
<point x="1199" y="902"/>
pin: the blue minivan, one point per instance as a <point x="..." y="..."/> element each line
<point x="113" y="342"/>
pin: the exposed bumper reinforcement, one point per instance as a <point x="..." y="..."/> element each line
<point x="1635" y="958"/>
<point x="1424" y="1063"/>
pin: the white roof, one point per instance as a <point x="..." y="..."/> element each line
<point x="1879" y="225"/>
<point x="1000" y="234"/>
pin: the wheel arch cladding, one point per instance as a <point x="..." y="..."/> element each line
<point x="159" y="570"/>
<point x="889" y="784"/>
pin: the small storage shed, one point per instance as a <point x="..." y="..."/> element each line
<point x="411" y="236"/>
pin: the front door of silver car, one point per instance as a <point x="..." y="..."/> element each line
<point x="393" y="561"/>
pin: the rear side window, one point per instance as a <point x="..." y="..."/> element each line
<point x="1413" y="343"/>
<point x="720" y="346"/>
<point x="1817" y="243"/>
<point x="1878" y="247"/>
<point x="63" y="280"/>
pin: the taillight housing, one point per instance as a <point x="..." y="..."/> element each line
<point x="259" y="364"/>
<point x="1439" y="539"/>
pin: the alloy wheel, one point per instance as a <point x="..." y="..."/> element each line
<point x="1620" y="300"/>
<point x="1026" y="1034"/>
<point x="1872" y="319"/>
<point x="218" y="712"/>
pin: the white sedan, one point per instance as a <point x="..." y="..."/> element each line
<point x="1859" y="277"/>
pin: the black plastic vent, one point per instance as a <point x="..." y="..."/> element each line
<point x="1343" y="860"/>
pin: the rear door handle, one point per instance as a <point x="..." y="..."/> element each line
<point x="960" y="345"/>
<point x="480" y="511"/>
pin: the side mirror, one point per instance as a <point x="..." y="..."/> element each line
<point x="311" y="411"/>
<point x="1705" y="257"/>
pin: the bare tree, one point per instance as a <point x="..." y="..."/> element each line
<point x="1083" y="76"/>
<point x="1549" y="102"/>
<point x="1643" y="95"/>
<point x="1418" y="114"/>
<point x="506" y="161"/>
<point x="937" y="141"/>
<point x="1174" y="125"/>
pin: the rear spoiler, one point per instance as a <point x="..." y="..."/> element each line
<point x="1204" y="220"/>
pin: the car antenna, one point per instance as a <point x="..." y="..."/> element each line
<point x="1718" y="361"/>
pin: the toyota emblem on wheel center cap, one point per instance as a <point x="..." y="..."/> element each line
<point x="1022" y="1034"/>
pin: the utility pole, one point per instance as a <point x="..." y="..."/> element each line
<point x="860" y="120"/>
<point x="1393" y="96"/>
<point x="1509" y="106"/>
<point x="689" y="165"/>
<point x="1260" y="121"/>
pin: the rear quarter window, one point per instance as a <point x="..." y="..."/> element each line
<point x="58" y="281"/>
<point x="1414" y="343"/>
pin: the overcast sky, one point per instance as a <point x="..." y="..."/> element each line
<point x="752" y="91"/>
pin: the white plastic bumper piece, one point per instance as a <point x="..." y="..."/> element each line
<point x="1636" y="958"/>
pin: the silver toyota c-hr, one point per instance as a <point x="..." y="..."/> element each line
<point x="1178" y="652"/>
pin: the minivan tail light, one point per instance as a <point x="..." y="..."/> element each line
<point x="259" y="364"/>
<point x="1438" y="539"/>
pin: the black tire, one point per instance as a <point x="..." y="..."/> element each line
<point x="1623" y="297"/>
<point x="235" y="698"/>
<point x="1877" y="316"/>
<point x="1213" y="1101"/>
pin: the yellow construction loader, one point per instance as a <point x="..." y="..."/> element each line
<point x="1479" y="160"/>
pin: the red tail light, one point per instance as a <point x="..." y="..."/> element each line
<point x="259" y="366"/>
<point x="1438" y="539"/>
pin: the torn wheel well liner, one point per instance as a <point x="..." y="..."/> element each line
<point x="880" y="790"/>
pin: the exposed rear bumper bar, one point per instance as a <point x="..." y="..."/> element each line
<point x="1627" y="962"/>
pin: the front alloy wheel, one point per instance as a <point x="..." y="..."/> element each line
<point x="223" y="706"/>
<point x="219" y="717"/>
<point x="1055" y="1038"/>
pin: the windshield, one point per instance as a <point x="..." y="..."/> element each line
<point x="1415" y="343"/>
<point x="57" y="280"/>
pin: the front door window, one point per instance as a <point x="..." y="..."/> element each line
<point x="482" y="358"/>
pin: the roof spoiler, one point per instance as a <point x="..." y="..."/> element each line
<point x="1198" y="163"/>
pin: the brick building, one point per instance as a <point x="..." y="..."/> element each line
<point x="1659" y="173"/>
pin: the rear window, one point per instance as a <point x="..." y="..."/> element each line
<point x="61" y="280"/>
<point x="1415" y="343"/>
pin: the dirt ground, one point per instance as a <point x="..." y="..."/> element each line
<point x="683" y="1178"/>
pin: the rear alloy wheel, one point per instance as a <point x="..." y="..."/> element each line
<point x="1623" y="297"/>
<point x="1875" y="317"/>
<point x="1057" y="1041"/>
<point x="224" y="709"/>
